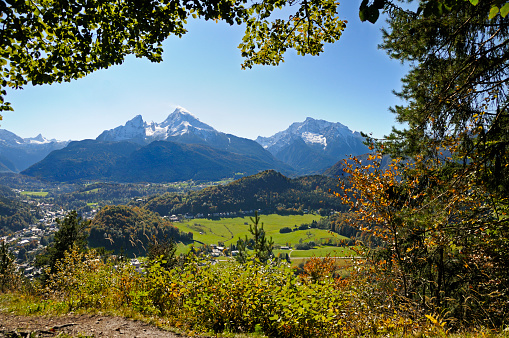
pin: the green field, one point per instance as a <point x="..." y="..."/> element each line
<point x="35" y="193"/>
<point x="228" y="231"/>
<point x="324" y="251"/>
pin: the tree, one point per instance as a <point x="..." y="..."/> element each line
<point x="54" y="41"/>
<point x="262" y="248"/>
<point x="7" y="268"/>
<point x="71" y="232"/>
<point x="441" y="207"/>
<point x="163" y="252"/>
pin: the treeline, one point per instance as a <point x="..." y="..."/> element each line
<point x="130" y="230"/>
<point x="14" y="214"/>
<point x="269" y="191"/>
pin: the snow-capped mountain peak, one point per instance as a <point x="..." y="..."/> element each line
<point x="178" y="123"/>
<point x="136" y="122"/>
<point x="23" y="152"/>
<point x="134" y="129"/>
<point x="313" y="143"/>
<point x="180" y="120"/>
<point x="311" y="131"/>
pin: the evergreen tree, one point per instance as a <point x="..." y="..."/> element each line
<point x="261" y="246"/>
<point x="71" y="231"/>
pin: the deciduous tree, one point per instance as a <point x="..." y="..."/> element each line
<point x="47" y="41"/>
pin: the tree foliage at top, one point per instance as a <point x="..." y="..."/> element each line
<point x="47" y="41"/>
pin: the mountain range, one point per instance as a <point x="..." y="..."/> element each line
<point x="17" y="154"/>
<point x="182" y="147"/>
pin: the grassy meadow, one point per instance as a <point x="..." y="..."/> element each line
<point x="35" y="193"/>
<point x="229" y="230"/>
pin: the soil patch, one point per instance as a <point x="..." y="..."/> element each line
<point x="75" y="325"/>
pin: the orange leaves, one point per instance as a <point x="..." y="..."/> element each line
<point x="317" y="268"/>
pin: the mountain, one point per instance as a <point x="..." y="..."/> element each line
<point x="165" y="161"/>
<point x="313" y="145"/>
<point x="17" y="154"/>
<point x="178" y="123"/>
<point x="82" y="160"/>
<point x="125" y="161"/>
<point x="182" y="127"/>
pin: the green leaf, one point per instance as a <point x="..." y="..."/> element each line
<point x="493" y="11"/>
<point x="373" y="14"/>
<point x="474" y="2"/>
<point x="362" y="15"/>
<point x="504" y="10"/>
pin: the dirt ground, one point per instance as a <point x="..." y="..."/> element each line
<point x="78" y="325"/>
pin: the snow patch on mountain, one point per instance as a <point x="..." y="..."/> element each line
<point x="312" y="132"/>
<point x="309" y="137"/>
<point x="9" y="138"/>
<point x="313" y="145"/>
<point x="23" y="152"/>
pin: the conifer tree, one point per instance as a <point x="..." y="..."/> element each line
<point x="261" y="246"/>
<point x="71" y="232"/>
<point x="441" y="207"/>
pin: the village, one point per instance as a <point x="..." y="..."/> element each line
<point x="29" y="242"/>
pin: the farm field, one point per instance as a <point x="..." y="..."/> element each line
<point x="35" y="193"/>
<point x="229" y="230"/>
<point x="322" y="251"/>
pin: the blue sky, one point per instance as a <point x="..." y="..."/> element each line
<point x="350" y="83"/>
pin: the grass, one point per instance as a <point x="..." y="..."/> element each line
<point x="91" y="191"/>
<point x="22" y="304"/>
<point x="324" y="251"/>
<point x="35" y="193"/>
<point x="13" y="303"/>
<point x="229" y="230"/>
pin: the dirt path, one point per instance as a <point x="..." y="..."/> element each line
<point x="74" y="325"/>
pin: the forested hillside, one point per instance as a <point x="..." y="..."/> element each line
<point x="130" y="230"/>
<point x="15" y="214"/>
<point x="269" y="191"/>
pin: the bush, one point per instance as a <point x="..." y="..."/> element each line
<point x="285" y="230"/>
<point x="305" y="246"/>
<point x="303" y="227"/>
<point x="240" y="297"/>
